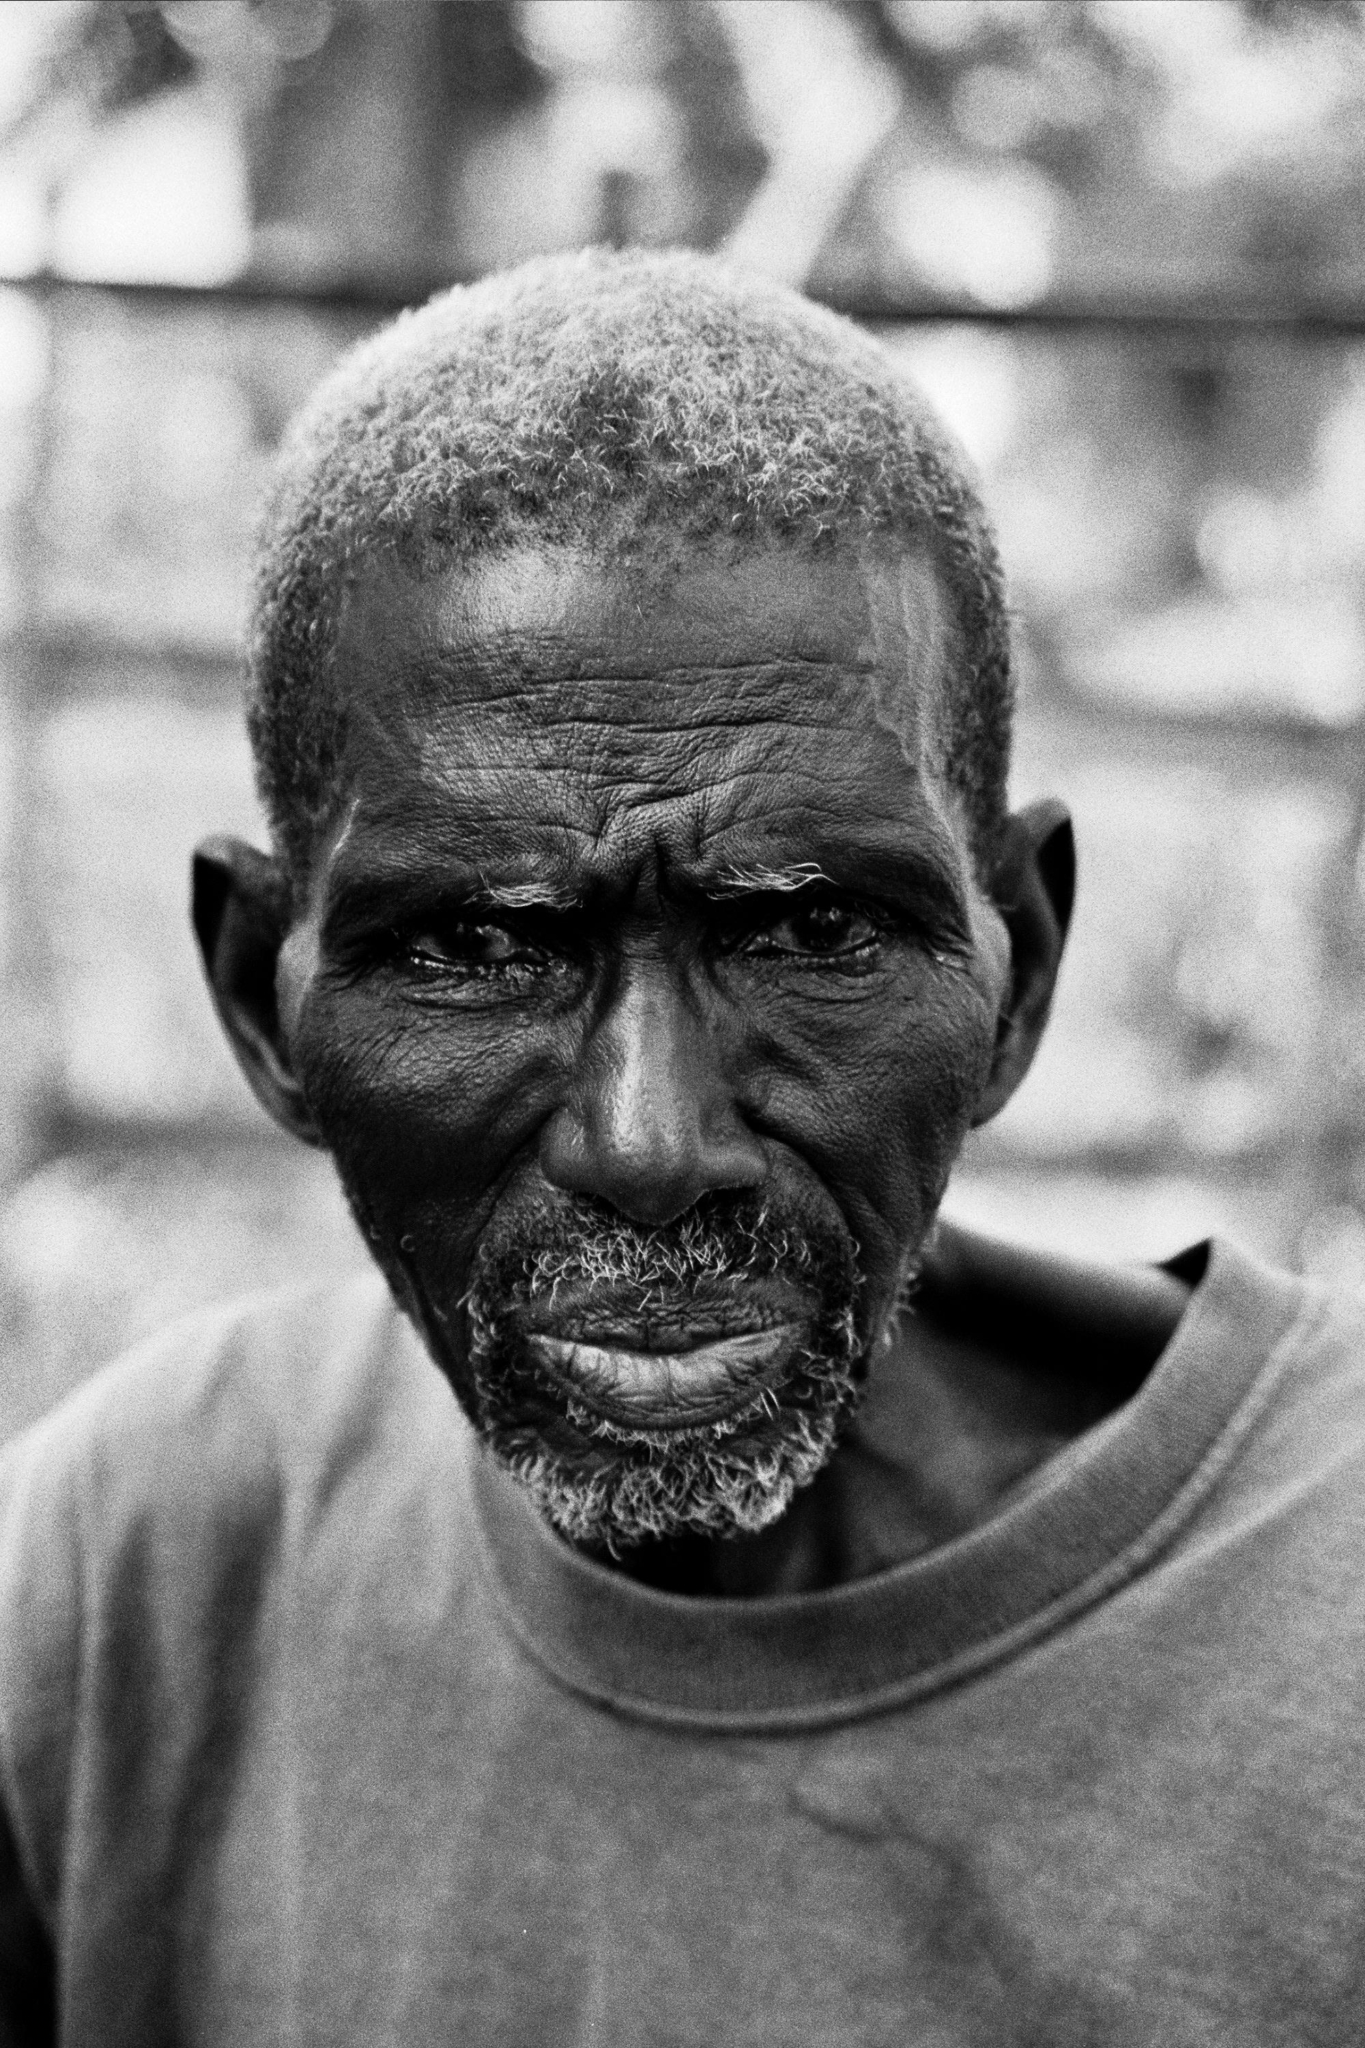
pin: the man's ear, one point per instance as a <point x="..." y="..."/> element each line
<point x="240" y="905"/>
<point x="1033" y="888"/>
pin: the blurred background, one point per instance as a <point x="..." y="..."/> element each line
<point x="1121" y="243"/>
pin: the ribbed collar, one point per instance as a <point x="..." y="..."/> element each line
<point x="1092" y="1517"/>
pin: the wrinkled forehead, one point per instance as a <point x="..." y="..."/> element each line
<point x="663" y="634"/>
<point x="571" y="709"/>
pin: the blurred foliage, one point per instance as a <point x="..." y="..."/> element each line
<point x="1000" y="152"/>
<point x="1040" y="84"/>
<point x="105" y="59"/>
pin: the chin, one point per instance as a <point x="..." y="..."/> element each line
<point x="607" y="1483"/>
<point x="700" y="1492"/>
<point x="649" y="1383"/>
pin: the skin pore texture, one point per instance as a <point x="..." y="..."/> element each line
<point x="644" y="988"/>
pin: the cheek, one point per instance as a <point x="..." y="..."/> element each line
<point x="878" y="1098"/>
<point x="424" y="1111"/>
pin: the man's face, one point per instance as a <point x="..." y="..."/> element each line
<point x="644" y="994"/>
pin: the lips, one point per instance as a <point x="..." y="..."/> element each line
<point x="663" y="1359"/>
<point x="664" y="1389"/>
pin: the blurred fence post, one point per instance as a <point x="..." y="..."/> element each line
<point x="28" y="1072"/>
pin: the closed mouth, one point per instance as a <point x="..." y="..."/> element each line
<point x="643" y="1385"/>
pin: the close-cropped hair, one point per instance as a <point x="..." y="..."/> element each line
<point x="608" y="399"/>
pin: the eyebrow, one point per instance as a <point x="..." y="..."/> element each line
<point x="912" y="876"/>
<point x="522" y="895"/>
<point x="362" y="895"/>
<point x="391" y="893"/>
<point x="739" y="880"/>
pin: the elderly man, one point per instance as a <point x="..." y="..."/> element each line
<point x="694" y="1601"/>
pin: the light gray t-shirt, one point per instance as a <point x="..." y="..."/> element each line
<point x="311" y="1732"/>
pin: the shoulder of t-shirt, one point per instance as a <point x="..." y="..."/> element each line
<point x="244" y="1380"/>
<point x="1302" y="1423"/>
<point x="135" y="1505"/>
<point x="220" y="1418"/>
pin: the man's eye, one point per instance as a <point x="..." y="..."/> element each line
<point x="817" y="930"/>
<point x="473" y="946"/>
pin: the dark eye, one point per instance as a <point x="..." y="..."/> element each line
<point x="472" y="947"/>
<point x="817" y="931"/>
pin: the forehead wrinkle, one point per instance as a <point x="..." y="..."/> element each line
<point x="457" y="804"/>
<point x="500" y="662"/>
<point x="431" y="757"/>
<point x="615" y="766"/>
<point x="563" y="865"/>
<point x="652" y="702"/>
<point x="597" y="800"/>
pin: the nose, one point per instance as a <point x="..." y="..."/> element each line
<point x="652" y="1122"/>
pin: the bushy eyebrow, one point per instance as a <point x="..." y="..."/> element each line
<point x="761" y="879"/>
<point x="914" y="878"/>
<point x="523" y="896"/>
<point x="391" y="894"/>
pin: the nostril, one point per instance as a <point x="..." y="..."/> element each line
<point x="650" y="1176"/>
<point x="647" y="1183"/>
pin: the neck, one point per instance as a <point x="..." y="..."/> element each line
<point x="1005" y="1357"/>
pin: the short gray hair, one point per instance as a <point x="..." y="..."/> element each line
<point x="601" y="397"/>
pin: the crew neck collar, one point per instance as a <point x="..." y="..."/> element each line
<point x="1090" y="1518"/>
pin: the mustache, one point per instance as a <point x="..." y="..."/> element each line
<point x="721" y="1242"/>
<point x="728" y="1261"/>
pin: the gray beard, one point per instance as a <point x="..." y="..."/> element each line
<point x="647" y="1484"/>
<point x="607" y="1485"/>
